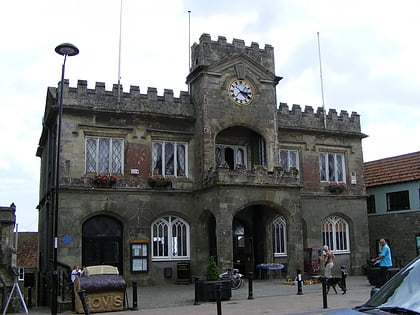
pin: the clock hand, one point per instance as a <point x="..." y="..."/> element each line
<point x="244" y="93"/>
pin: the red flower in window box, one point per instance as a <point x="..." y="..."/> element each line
<point x="104" y="180"/>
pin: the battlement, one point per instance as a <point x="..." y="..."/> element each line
<point x="209" y="52"/>
<point x="309" y="119"/>
<point x="132" y="101"/>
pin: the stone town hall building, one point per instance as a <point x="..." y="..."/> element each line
<point x="149" y="181"/>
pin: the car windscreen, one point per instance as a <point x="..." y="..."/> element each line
<point x="402" y="291"/>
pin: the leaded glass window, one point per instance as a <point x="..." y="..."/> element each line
<point x="232" y="155"/>
<point x="332" y="167"/>
<point x="169" y="158"/>
<point x="104" y="155"/>
<point x="288" y="159"/>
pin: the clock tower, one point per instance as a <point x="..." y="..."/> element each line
<point x="233" y="89"/>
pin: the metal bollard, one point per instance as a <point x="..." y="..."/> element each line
<point x="324" y="291"/>
<point x="250" y="288"/>
<point x="218" y="288"/>
<point x="196" y="291"/>
<point x="343" y="278"/>
<point x="82" y="296"/>
<point x="299" y="282"/>
<point x="29" y="297"/>
<point x="135" y="306"/>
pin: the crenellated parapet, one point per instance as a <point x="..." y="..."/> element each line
<point x="317" y="121"/>
<point x="208" y="52"/>
<point x="100" y="99"/>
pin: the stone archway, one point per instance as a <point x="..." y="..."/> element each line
<point x="102" y="242"/>
<point x="252" y="237"/>
<point x="239" y="147"/>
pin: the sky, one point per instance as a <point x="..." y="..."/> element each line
<point x="368" y="50"/>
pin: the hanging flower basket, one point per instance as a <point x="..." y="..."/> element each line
<point x="336" y="188"/>
<point x="104" y="180"/>
<point x="159" y="182"/>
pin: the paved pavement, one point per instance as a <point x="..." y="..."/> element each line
<point x="269" y="297"/>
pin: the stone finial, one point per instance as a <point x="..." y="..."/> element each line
<point x="296" y="110"/>
<point x="332" y="113"/>
<point x="205" y="38"/>
<point x="221" y="40"/>
<point x="239" y="43"/>
<point x="344" y="115"/>
<point x="134" y="90"/>
<point x="100" y="87"/>
<point x="152" y="93"/>
<point x="82" y="86"/>
<point x="168" y="95"/>
<point x="115" y="88"/>
<point x="284" y="108"/>
<point x="255" y="46"/>
<point x="309" y="110"/>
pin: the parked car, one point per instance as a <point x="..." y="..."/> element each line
<point x="400" y="295"/>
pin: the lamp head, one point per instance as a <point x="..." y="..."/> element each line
<point x="67" y="49"/>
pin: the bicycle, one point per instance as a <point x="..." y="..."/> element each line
<point x="236" y="278"/>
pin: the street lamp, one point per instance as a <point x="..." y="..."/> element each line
<point x="65" y="50"/>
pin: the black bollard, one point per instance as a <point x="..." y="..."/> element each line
<point x="135" y="306"/>
<point x="196" y="291"/>
<point x="218" y="288"/>
<point x="29" y="297"/>
<point x="299" y="282"/>
<point x="250" y="289"/>
<point x="82" y="296"/>
<point x="343" y="278"/>
<point x="324" y="291"/>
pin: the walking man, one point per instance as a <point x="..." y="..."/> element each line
<point x="385" y="261"/>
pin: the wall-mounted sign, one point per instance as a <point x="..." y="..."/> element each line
<point x="67" y="239"/>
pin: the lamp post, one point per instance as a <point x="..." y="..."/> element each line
<point x="65" y="50"/>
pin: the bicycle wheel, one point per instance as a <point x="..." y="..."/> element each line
<point x="236" y="283"/>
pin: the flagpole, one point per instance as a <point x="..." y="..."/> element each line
<point x="119" y="57"/>
<point x="322" y="85"/>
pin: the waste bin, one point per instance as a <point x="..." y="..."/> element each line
<point x="183" y="273"/>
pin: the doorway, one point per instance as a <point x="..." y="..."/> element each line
<point x="243" y="248"/>
<point x="102" y="242"/>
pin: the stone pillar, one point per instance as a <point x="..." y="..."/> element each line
<point x="224" y="240"/>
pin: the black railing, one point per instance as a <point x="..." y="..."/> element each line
<point x="65" y="286"/>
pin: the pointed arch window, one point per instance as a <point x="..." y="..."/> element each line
<point x="171" y="239"/>
<point x="335" y="234"/>
<point x="279" y="237"/>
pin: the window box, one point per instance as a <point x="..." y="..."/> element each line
<point x="336" y="188"/>
<point x="159" y="182"/>
<point x="104" y="180"/>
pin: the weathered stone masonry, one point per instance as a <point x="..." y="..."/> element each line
<point x="215" y="200"/>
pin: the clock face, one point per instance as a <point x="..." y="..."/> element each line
<point x="241" y="92"/>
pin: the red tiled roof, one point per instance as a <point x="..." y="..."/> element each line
<point x="27" y="249"/>
<point x="397" y="169"/>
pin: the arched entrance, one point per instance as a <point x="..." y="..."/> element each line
<point x="252" y="237"/>
<point x="240" y="147"/>
<point x="102" y="242"/>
